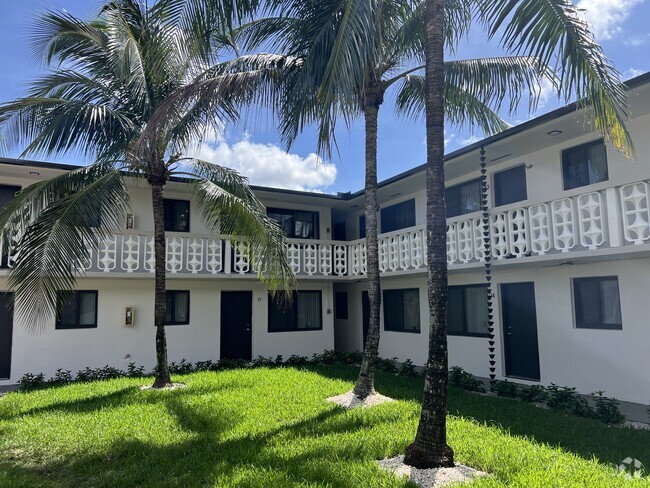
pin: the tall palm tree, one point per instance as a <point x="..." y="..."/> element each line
<point x="109" y="79"/>
<point x="551" y="31"/>
<point x="351" y="53"/>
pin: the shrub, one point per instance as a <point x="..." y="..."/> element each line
<point x="205" y="366"/>
<point x="295" y="360"/>
<point x="226" y="363"/>
<point x="408" y="369"/>
<point x="262" y="361"/>
<point x="566" y="399"/>
<point x="326" y="357"/>
<point x="133" y="371"/>
<point x="460" y="378"/>
<point x="61" y="377"/>
<point x="533" y="394"/>
<point x="30" y="381"/>
<point x="504" y="388"/>
<point x="353" y="358"/>
<point x="387" y="365"/>
<point x="607" y="410"/>
<point x="183" y="367"/>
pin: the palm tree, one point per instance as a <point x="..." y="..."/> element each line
<point x="552" y="32"/>
<point x="350" y="54"/>
<point x="109" y="80"/>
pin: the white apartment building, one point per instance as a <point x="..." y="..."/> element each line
<point x="569" y="221"/>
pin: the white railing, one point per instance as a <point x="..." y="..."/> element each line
<point x="608" y="218"/>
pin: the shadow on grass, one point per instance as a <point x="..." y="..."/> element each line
<point x="587" y="438"/>
<point x="210" y="458"/>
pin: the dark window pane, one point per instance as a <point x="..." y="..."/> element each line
<point x="584" y="165"/>
<point x="304" y="312"/>
<point x="77" y="312"/>
<point x="510" y="186"/>
<point x="399" y="216"/>
<point x="362" y="227"/>
<point x="339" y="232"/>
<point x="464" y="198"/>
<point x="597" y="303"/>
<point x="298" y="224"/>
<point x="178" y="307"/>
<point x="177" y="215"/>
<point x="467" y="310"/>
<point x="402" y="310"/>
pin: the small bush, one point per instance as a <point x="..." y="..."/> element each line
<point x="262" y="361"/>
<point x="326" y="357"/>
<point x="408" y="369"/>
<point x="183" y="367"/>
<point x="226" y="363"/>
<point x="279" y="360"/>
<point x="30" y="381"/>
<point x="460" y="378"/>
<point x="205" y="366"/>
<point x="533" y="394"/>
<point x="61" y="377"/>
<point x="566" y="399"/>
<point x="387" y="365"/>
<point x="354" y="358"/>
<point x="133" y="371"/>
<point x="504" y="388"/>
<point x="295" y="360"/>
<point x="607" y="410"/>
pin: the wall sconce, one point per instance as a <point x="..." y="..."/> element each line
<point x="130" y="221"/>
<point x="329" y="311"/>
<point x="129" y="317"/>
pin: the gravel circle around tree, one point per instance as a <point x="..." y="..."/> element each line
<point x="430" y="478"/>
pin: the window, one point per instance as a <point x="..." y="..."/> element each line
<point x="177" y="215"/>
<point x="467" y="312"/>
<point x="78" y="311"/>
<point x="402" y="310"/>
<point x="584" y="165"/>
<point x="299" y="224"/>
<point x="510" y="186"/>
<point x="339" y="231"/>
<point x="464" y="198"/>
<point x="362" y="227"/>
<point x="341" y="305"/>
<point x="303" y="313"/>
<point x="178" y="307"/>
<point x="597" y="303"/>
<point x="399" y="216"/>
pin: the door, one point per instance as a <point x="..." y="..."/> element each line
<point x="365" y="312"/>
<point x="520" y="330"/>
<point x="236" y="322"/>
<point x="6" y="333"/>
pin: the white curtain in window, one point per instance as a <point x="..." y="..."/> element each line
<point x="476" y="310"/>
<point x="610" y="302"/>
<point x="309" y="310"/>
<point x="87" y="309"/>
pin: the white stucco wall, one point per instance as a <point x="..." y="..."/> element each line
<point x="114" y="344"/>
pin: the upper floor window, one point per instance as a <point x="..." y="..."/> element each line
<point x="510" y="186"/>
<point x="467" y="312"/>
<point x="177" y="215"/>
<point x="7" y="194"/>
<point x="398" y="216"/>
<point x="298" y="224"/>
<point x="584" y="165"/>
<point x="78" y="311"/>
<point x="178" y="307"/>
<point x="402" y="310"/>
<point x="597" y="303"/>
<point x="303" y="313"/>
<point x="464" y="198"/>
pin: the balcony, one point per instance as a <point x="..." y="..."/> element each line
<point x="615" y="219"/>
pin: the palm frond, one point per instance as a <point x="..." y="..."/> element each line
<point x="53" y="224"/>
<point x="552" y="31"/>
<point x="230" y="207"/>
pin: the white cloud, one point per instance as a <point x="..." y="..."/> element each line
<point x="269" y="165"/>
<point x="607" y="16"/>
<point x="469" y="140"/>
<point x="632" y="73"/>
<point x="637" y="41"/>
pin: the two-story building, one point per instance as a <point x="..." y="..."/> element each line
<point x="569" y="223"/>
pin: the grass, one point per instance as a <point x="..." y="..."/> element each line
<point x="272" y="427"/>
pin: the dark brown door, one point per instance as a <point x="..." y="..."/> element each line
<point x="236" y="324"/>
<point x="520" y="330"/>
<point x="6" y="333"/>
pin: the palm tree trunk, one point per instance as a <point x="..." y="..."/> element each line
<point x="160" y="301"/>
<point x="430" y="449"/>
<point x="365" y="384"/>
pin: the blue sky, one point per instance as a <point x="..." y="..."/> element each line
<point x="254" y="148"/>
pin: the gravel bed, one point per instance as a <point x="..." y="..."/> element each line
<point x="350" y="400"/>
<point x="429" y="478"/>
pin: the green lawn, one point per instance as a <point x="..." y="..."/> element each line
<point x="272" y="427"/>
